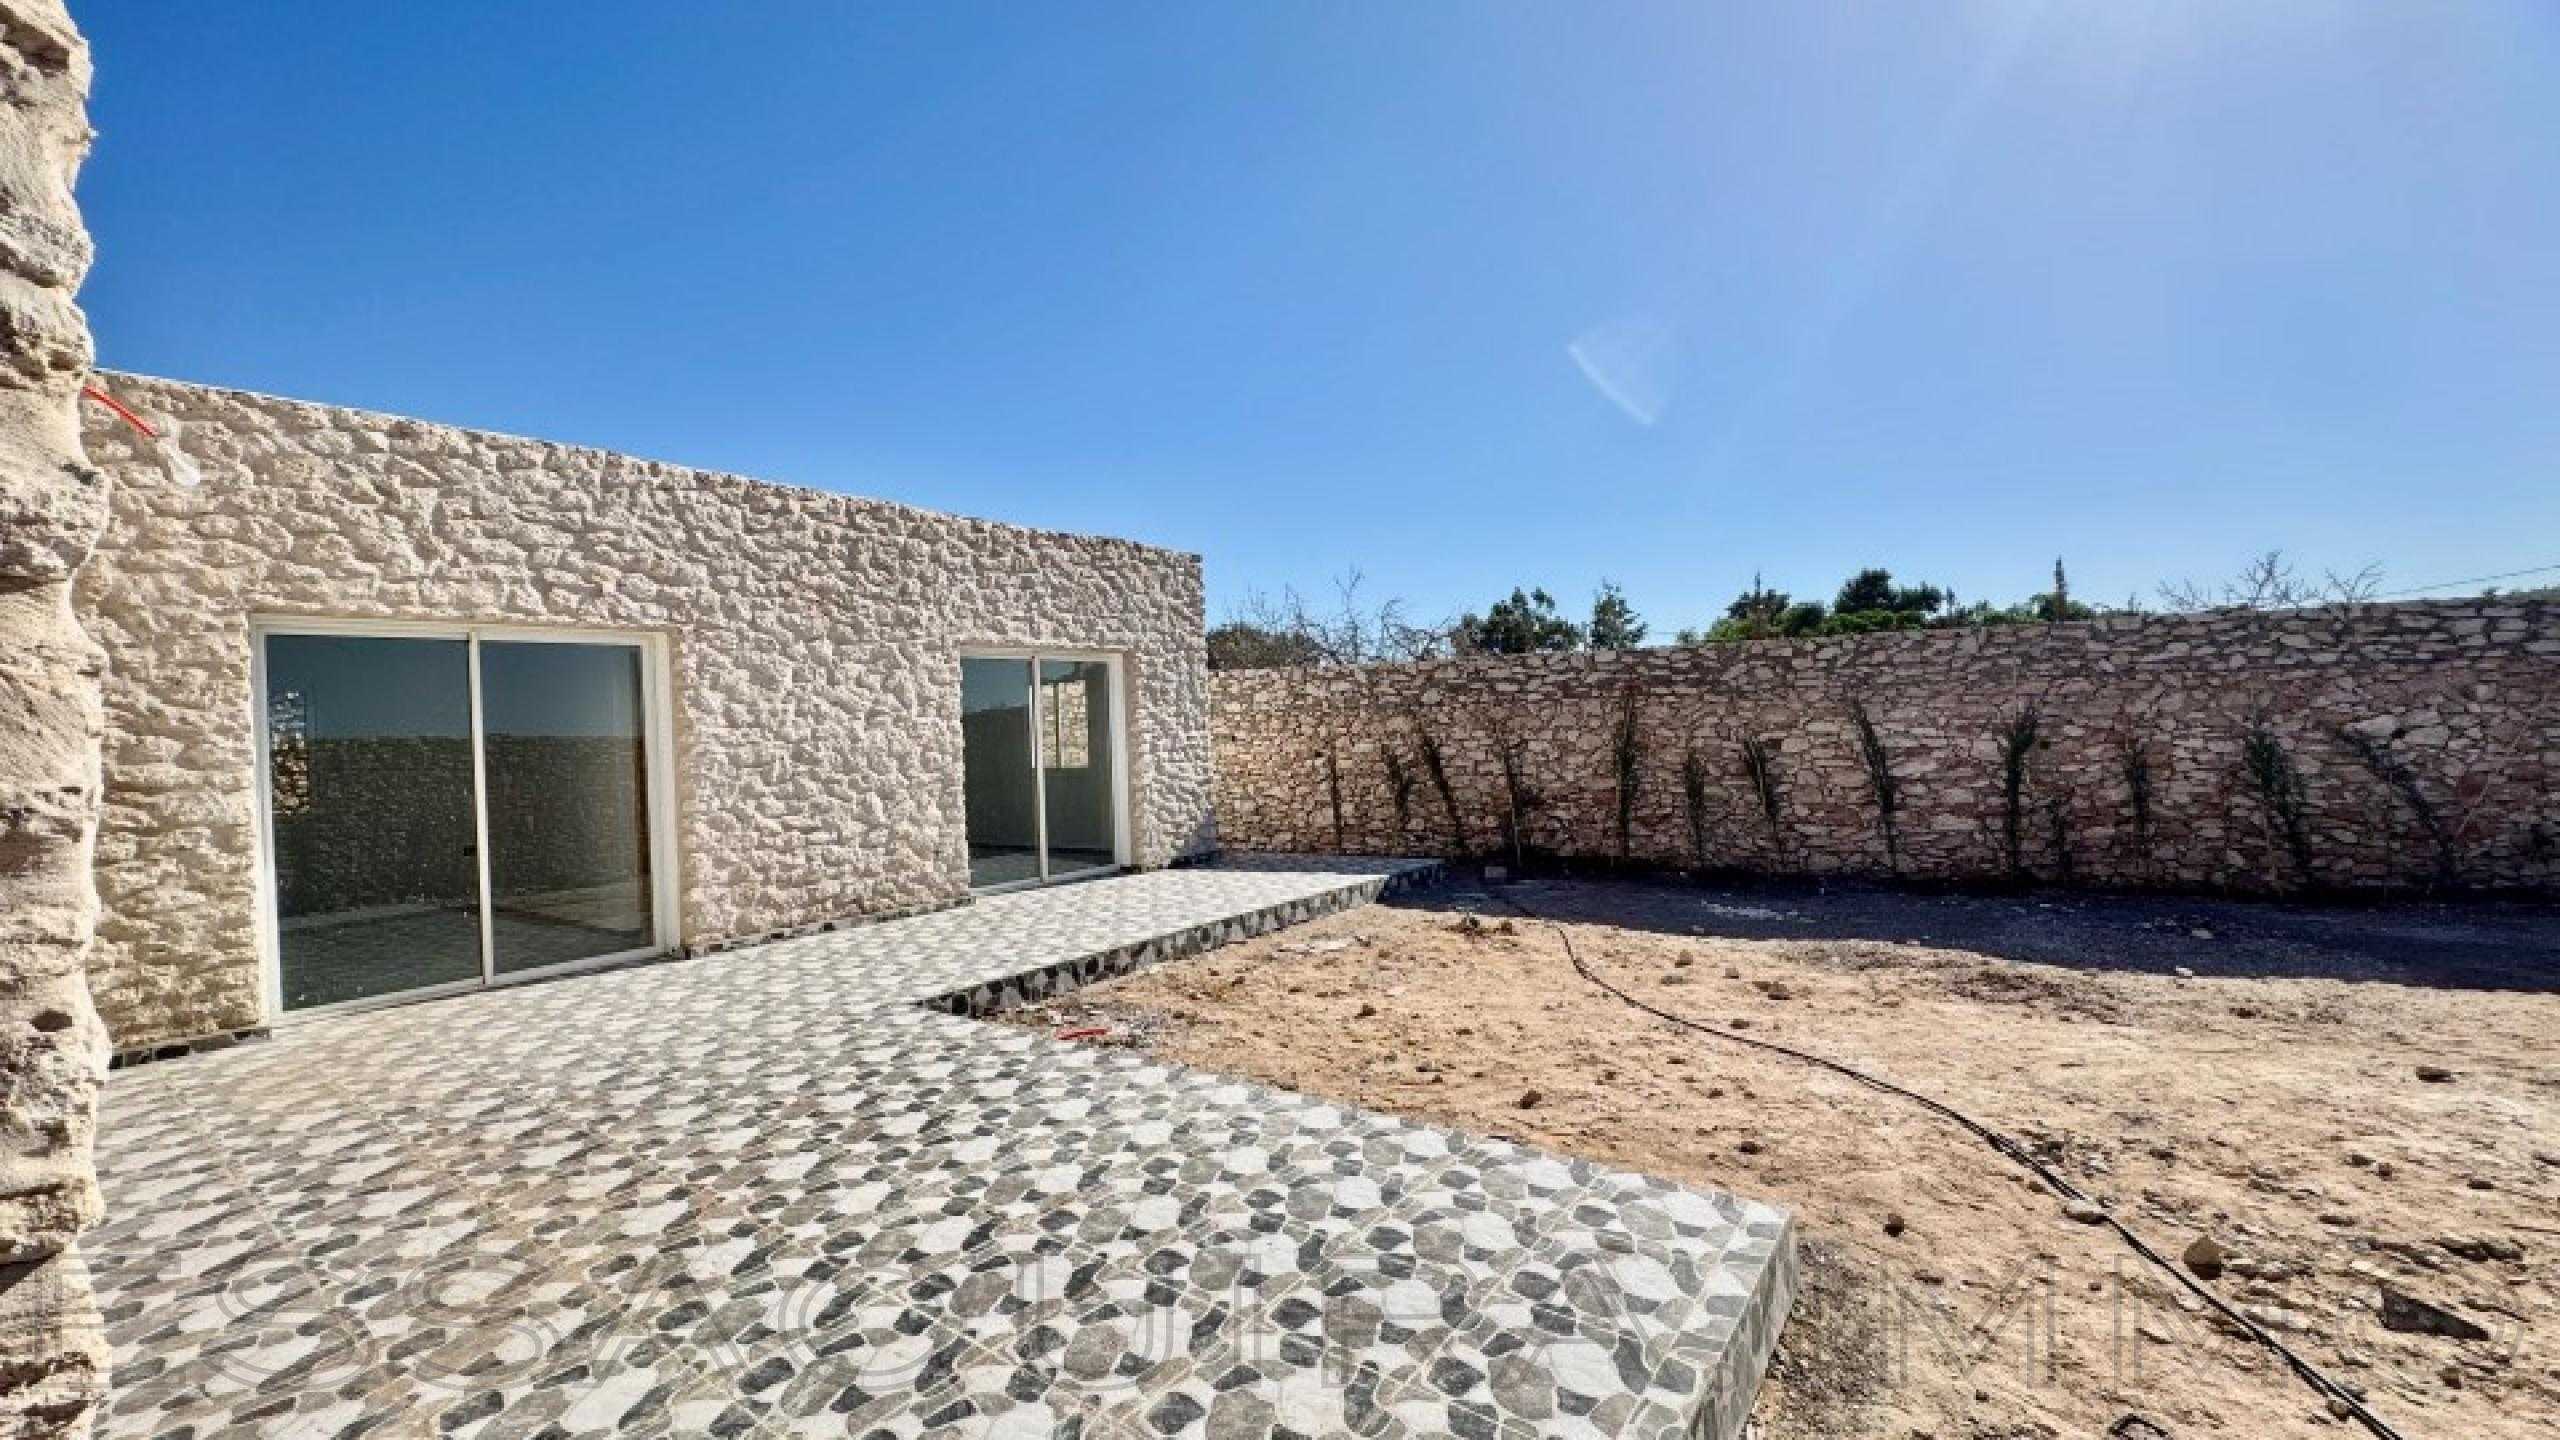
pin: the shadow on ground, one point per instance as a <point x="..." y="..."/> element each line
<point x="2467" y="945"/>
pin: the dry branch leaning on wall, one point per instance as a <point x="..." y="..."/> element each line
<point x="1628" y="755"/>
<point x="1333" y="790"/>
<point x="2376" y="756"/>
<point x="1881" y="782"/>
<point x="2133" y="763"/>
<point x="1761" y="765"/>
<point x="1693" y="800"/>
<point x="2017" y="735"/>
<point x="1399" y="785"/>
<point x="2280" y="790"/>
<point x="1519" y="799"/>
<point x="2066" y="868"/>
<point x="2158" y="794"/>
<point x="1435" y="763"/>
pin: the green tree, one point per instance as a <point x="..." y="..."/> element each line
<point x="1774" y="612"/>
<point x="1524" y="624"/>
<point x="2057" y="604"/>
<point x="1243" y="645"/>
<point x="1868" y="622"/>
<point x="1761" y="613"/>
<point x="1614" y="623"/>
<point x="1873" y="592"/>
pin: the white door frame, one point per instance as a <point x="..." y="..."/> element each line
<point x="657" y="731"/>
<point x="1116" y="671"/>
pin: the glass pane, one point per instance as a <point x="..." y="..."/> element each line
<point x="995" y="764"/>
<point x="1075" y="763"/>
<point x="567" y="769"/>
<point x="369" y="771"/>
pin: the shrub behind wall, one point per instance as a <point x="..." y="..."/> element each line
<point x="2453" y="708"/>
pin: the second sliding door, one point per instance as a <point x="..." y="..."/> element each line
<point x="1078" y="789"/>
<point x="1040" y="772"/>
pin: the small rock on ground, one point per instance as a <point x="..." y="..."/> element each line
<point x="2410" y="1315"/>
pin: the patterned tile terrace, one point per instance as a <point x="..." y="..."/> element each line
<point x="778" y="1191"/>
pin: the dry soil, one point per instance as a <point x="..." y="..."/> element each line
<point x="2339" y="1099"/>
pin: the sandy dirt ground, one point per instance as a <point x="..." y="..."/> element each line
<point x="2340" y="1100"/>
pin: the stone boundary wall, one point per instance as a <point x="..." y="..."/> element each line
<point x="814" y="644"/>
<point x="2421" y="742"/>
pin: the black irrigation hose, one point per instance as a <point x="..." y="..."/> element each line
<point x="2308" y="1373"/>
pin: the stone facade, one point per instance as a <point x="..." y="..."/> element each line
<point x="2397" y="746"/>
<point x="53" y="505"/>
<point x="814" y="657"/>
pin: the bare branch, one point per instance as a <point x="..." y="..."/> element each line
<point x="2355" y="589"/>
<point x="1287" y="630"/>
<point x="2269" y="582"/>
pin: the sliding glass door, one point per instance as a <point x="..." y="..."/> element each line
<point x="1078" y="791"/>
<point x="1040" y="767"/>
<point x="444" y="811"/>
<point x="996" y="772"/>
<point x="369" y="798"/>
<point x="567" y="776"/>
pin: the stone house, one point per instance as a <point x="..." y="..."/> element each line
<point x="395" y="709"/>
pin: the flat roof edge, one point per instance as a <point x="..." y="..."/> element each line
<point x="270" y="398"/>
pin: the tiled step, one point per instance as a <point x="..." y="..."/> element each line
<point x="1051" y="978"/>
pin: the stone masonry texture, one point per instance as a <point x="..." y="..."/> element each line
<point x="815" y="662"/>
<point x="53" y="506"/>
<point x="2406" y="746"/>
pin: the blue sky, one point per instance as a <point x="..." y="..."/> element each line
<point x="1464" y="295"/>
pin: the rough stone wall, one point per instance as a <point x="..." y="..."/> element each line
<point x="815" y="661"/>
<point x="2422" y="741"/>
<point x="53" y="1351"/>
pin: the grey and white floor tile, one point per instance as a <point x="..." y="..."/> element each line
<point x="791" y="1190"/>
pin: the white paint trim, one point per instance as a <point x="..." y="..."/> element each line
<point x="1115" y="690"/>
<point x="479" y="825"/>
<point x="1033" y="717"/>
<point x="1121" y="790"/>
<point x="452" y="988"/>
<point x="657" y="686"/>
<point x="444" y="991"/>
<point x="571" y="967"/>
<point x="263" y="923"/>
<point x="332" y="625"/>
<point x="1002" y="652"/>
<point x="657" y="739"/>
<point x="287" y="624"/>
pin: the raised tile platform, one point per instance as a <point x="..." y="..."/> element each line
<point x="772" y="1192"/>
<point x="1104" y="929"/>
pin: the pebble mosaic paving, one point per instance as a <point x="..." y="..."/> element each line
<point x="784" y="1191"/>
